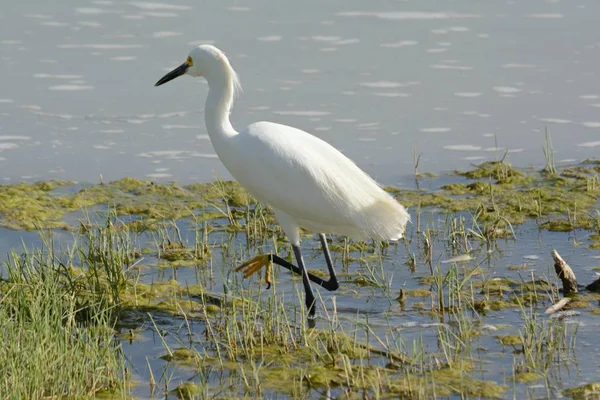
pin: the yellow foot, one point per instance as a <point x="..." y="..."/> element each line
<point x="250" y="267"/>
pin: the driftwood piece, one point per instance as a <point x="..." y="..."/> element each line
<point x="558" y="305"/>
<point x="565" y="273"/>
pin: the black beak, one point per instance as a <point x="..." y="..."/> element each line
<point x="182" y="69"/>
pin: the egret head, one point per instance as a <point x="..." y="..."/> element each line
<point x="204" y="60"/>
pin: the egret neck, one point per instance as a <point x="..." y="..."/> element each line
<point x="218" y="105"/>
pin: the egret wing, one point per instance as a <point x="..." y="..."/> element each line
<point x="310" y="180"/>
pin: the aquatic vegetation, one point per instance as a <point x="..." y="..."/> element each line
<point x="31" y="205"/>
<point x="229" y="338"/>
<point x="187" y="391"/>
<point x="494" y="193"/>
<point x="526" y="377"/>
<point x="38" y="205"/>
<point x="510" y="340"/>
<point x="588" y="391"/>
<point x="54" y="344"/>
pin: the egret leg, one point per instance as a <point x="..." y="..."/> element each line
<point x="252" y="266"/>
<point x="309" y="295"/>
<point x="332" y="284"/>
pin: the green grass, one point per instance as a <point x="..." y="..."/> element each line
<point x="55" y="344"/>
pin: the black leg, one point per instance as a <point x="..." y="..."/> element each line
<point x="332" y="284"/>
<point x="309" y="295"/>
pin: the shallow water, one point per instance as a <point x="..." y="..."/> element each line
<point x="356" y="304"/>
<point x="459" y="83"/>
<point x="387" y="317"/>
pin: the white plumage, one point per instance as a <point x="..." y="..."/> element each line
<point x="308" y="182"/>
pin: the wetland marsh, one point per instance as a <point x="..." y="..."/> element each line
<point x="142" y="277"/>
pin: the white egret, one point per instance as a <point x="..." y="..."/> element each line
<point x="308" y="183"/>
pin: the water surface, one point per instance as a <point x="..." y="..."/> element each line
<point x="459" y="82"/>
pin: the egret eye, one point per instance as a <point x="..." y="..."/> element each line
<point x="189" y="62"/>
